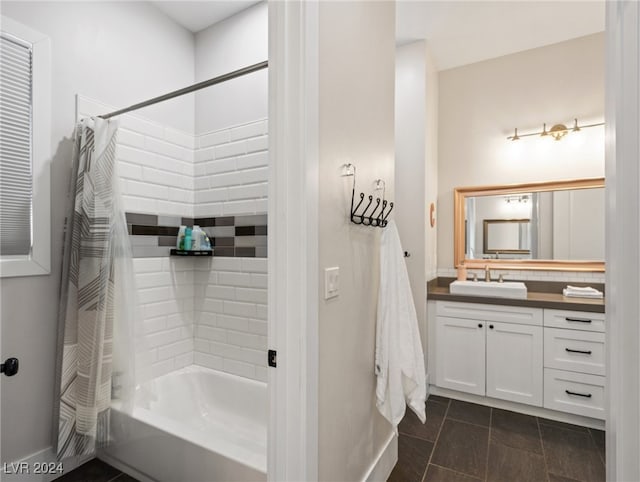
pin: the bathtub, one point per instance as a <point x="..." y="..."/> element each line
<point x="204" y="426"/>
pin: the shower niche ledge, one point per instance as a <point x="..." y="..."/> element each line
<point x="199" y="252"/>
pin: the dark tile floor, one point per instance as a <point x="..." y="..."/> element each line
<point x="465" y="442"/>
<point x="95" y="471"/>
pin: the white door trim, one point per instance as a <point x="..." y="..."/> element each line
<point x="293" y="240"/>
<point x="623" y="239"/>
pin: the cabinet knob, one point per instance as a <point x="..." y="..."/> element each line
<point x="491" y="327"/>
<point x="479" y="325"/>
<point x="9" y="367"/>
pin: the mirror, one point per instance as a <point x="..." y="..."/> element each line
<point x="548" y="225"/>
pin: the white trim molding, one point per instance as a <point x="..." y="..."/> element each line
<point x="38" y="261"/>
<point x="293" y="241"/>
<point x="623" y="238"/>
<point x="384" y="463"/>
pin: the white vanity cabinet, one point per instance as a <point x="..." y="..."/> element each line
<point x="574" y="362"/>
<point x="542" y="357"/>
<point x="490" y="350"/>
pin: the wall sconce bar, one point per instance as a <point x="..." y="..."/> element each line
<point x="557" y="131"/>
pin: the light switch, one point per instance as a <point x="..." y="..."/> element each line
<point x="331" y="282"/>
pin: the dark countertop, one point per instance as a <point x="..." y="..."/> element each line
<point x="539" y="295"/>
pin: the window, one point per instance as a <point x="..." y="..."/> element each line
<point x="25" y="146"/>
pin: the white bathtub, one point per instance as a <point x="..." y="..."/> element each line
<point x="205" y="426"/>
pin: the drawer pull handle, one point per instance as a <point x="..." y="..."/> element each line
<point x="585" y="395"/>
<point x="578" y="320"/>
<point x="584" y="352"/>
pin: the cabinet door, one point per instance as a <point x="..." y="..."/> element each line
<point x="514" y="362"/>
<point x="460" y="352"/>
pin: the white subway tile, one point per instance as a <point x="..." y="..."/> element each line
<point x="151" y="295"/>
<point x="262" y="205"/>
<point x="211" y="334"/>
<point x="179" y="137"/>
<point x="202" y="155"/>
<point x="128" y="170"/>
<point x="213" y="306"/>
<point x="218" y="167"/>
<point x="251" y="295"/>
<point x="208" y="209"/>
<point x="146" y="190"/>
<point x="174" y="349"/>
<point x="259" y="280"/>
<point x="258" y="327"/>
<point x="162" y="368"/>
<point x="184" y="360"/>
<point x="233" y="323"/>
<point x="248" y="191"/>
<point x="221" y="292"/>
<point x="147" y="265"/>
<point x="258" y="144"/>
<point x="225" y="350"/>
<point x="234" y="279"/>
<point x="226" y="264"/>
<point x="257" y="159"/>
<point x="206" y="318"/>
<point x="239" y="309"/>
<point x="181" y="195"/>
<point x="130" y="138"/>
<point x="231" y="149"/>
<point x="209" y="361"/>
<point x="163" y="338"/>
<point x="166" y="149"/>
<point x="261" y="312"/>
<point x="233" y="208"/>
<point x="201" y="344"/>
<point x="152" y="280"/>
<point x="152" y="310"/>
<point x="200" y="182"/>
<point x="214" y="138"/>
<point x="139" y="204"/>
<point x="245" y="340"/>
<point x="153" y="325"/>
<point x="248" y="130"/>
<point x="254" y="265"/>
<point x="211" y="195"/>
<point x="239" y="368"/>
<point x="141" y="126"/>
<point x="255" y="357"/>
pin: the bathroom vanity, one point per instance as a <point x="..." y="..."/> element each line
<point x="545" y="351"/>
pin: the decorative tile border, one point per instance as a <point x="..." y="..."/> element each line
<point x="231" y="236"/>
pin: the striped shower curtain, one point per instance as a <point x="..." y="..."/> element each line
<point x="95" y="260"/>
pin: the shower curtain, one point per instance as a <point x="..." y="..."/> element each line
<point x="95" y="360"/>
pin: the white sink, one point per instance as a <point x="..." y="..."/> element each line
<point x="493" y="289"/>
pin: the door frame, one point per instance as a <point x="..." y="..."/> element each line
<point x="293" y="241"/>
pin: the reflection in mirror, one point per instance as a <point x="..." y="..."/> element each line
<point x="555" y="225"/>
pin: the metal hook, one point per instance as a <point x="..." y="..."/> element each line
<point x="362" y="216"/>
<point x="372" y="221"/>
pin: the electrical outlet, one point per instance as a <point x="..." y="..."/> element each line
<point x="331" y="282"/>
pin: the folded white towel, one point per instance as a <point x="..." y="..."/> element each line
<point x="577" y="292"/>
<point x="399" y="358"/>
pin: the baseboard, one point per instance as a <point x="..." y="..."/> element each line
<point x="520" y="407"/>
<point x="384" y="463"/>
<point x="23" y="470"/>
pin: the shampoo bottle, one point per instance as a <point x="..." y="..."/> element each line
<point x="187" y="239"/>
<point x="180" y="239"/>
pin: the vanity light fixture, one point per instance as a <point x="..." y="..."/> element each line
<point x="557" y="131"/>
<point x="515" y="198"/>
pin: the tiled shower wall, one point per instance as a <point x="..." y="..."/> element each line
<point x="208" y="311"/>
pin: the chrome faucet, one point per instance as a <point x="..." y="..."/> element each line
<point x="487" y="273"/>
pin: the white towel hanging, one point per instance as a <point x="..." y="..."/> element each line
<point x="399" y="357"/>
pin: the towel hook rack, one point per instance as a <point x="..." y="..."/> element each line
<point x="377" y="220"/>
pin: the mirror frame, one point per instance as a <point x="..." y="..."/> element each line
<point x="460" y="195"/>
<point x="485" y="236"/>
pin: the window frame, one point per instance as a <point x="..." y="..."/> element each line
<point x="38" y="261"/>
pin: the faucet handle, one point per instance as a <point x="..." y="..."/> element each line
<point x="500" y="279"/>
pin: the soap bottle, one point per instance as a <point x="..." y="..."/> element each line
<point x="187" y="239"/>
<point x="462" y="272"/>
<point x="197" y="236"/>
<point x="180" y="238"/>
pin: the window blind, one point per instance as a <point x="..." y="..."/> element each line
<point x="15" y="146"/>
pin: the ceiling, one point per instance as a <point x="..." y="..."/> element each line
<point x="458" y="32"/>
<point x="463" y="32"/>
<point x="196" y="16"/>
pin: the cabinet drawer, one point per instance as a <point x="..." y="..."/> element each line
<point x="574" y="393"/>
<point x="574" y="320"/>
<point x="578" y="351"/>
<point x="500" y="313"/>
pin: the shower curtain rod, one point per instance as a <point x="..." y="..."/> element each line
<point x="191" y="88"/>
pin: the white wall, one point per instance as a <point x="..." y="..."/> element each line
<point x="480" y="104"/>
<point x="356" y="124"/>
<point x="234" y="43"/>
<point x="416" y="166"/>
<point x="108" y="51"/>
